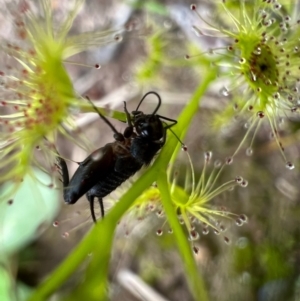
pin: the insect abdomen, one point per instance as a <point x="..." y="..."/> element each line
<point x="124" y="168"/>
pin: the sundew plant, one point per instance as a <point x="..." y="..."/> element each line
<point x="198" y="190"/>
<point x="260" y="59"/>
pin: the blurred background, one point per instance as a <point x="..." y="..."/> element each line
<point x="262" y="262"/>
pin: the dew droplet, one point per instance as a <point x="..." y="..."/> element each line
<point x="224" y="210"/>
<point x="170" y="231"/>
<point x="194" y="235"/>
<point x="184" y="148"/>
<point x="268" y="23"/>
<point x="229" y="160"/>
<point x="152" y="207"/>
<point x="159" y="232"/>
<point x="230" y="48"/>
<point x="247" y="125"/>
<point x="249" y="151"/>
<point x="65" y="235"/>
<point x="239" y="222"/>
<point x="118" y="38"/>
<point x="205" y="231"/>
<point x="277" y="6"/>
<point x="222" y="228"/>
<point x="242" y="60"/>
<point x="97" y="66"/>
<point x="55" y="224"/>
<point x="260" y="114"/>
<point x="244" y="183"/>
<point x="239" y="179"/>
<point x="193" y="6"/>
<point x="217" y="164"/>
<point x="288" y="18"/>
<point x="257" y="51"/>
<point x="227" y="240"/>
<point x="196" y="250"/>
<point x="224" y="91"/>
<point x="207" y="156"/>
<point x="289" y="165"/>
<point x="217" y="232"/>
<point x="243" y="217"/>
<point x="160" y="213"/>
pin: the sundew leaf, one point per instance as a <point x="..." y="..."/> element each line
<point x="9" y="290"/>
<point x="6" y="285"/>
<point x="28" y="212"/>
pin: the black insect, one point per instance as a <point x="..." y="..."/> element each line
<point x="109" y="166"/>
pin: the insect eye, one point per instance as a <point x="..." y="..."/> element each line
<point x="140" y="122"/>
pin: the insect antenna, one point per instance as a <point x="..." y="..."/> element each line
<point x="182" y="144"/>
<point x="159" y="101"/>
<point x="103" y="117"/>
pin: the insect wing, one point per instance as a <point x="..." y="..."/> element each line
<point x="94" y="168"/>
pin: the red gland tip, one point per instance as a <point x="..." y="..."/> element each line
<point x="261" y="114"/>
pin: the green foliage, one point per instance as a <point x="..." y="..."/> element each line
<point x="99" y="240"/>
<point x="263" y="260"/>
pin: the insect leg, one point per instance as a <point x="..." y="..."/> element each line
<point x="168" y="119"/>
<point x="100" y="200"/>
<point x="168" y="126"/>
<point x="91" y="199"/>
<point x="64" y="171"/>
<point x="118" y="136"/>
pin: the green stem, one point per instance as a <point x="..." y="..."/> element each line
<point x="195" y="280"/>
